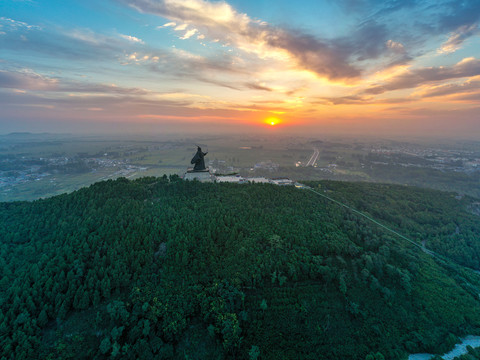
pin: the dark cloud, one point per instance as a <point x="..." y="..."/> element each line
<point x="67" y="44"/>
<point x="31" y="81"/>
<point x="194" y="69"/>
<point x="369" y="42"/>
<point x="358" y="100"/>
<point x="352" y="99"/>
<point x="328" y="59"/>
<point x="51" y="45"/>
<point x="459" y="13"/>
<point x="225" y="84"/>
<point x="181" y="64"/>
<point x="255" y="86"/>
<point x="220" y="21"/>
<point x="411" y="23"/>
<point x="71" y="86"/>
<point x="26" y="80"/>
<point x="453" y="89"/>
<point x="384" y="32"/>
<point x="413" y="78"/>
<point x="455" y="18"/>
<point x="83" y="44"/>
<point x="107" y="101"/>
<point x="473" y="97"/>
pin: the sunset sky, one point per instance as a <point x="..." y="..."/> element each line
<point x="408" y="67"/>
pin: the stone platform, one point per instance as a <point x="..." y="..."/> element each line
<point x="202" y="175"/>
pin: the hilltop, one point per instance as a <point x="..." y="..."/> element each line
<point x="170" y="269"/>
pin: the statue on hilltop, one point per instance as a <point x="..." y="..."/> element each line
<point x="199" y="160"/>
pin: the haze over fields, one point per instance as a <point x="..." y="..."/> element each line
<point x="407" y="68"/>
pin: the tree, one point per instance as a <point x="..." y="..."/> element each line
<point x="254" y="352"/>
<point x="105" y="346"/>
<point x="43" y="318"/>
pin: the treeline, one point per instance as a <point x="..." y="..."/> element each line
<point x="170" y="269"/>
<point x="446" y="180"/>
<point x="442" y="222"/>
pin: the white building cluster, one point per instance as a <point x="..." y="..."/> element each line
<point x="237" y="179"/>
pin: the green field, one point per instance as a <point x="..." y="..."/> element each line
<point x="134" y="157"/>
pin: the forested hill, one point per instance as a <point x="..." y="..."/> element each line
<point x="160" y="268"/>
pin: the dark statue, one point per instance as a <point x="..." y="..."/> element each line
<point x="199" y="160"/>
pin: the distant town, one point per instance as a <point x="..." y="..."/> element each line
<point x="47" y="165"/>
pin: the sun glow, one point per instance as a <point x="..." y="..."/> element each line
<point x="272" y="121"/>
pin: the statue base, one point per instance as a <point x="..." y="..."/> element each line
<point x="200" y="175"/>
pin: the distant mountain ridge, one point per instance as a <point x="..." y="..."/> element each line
<point x="24" y="135"/>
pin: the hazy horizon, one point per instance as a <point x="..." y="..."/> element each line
<point x="175" y="131"/>
<point x="392" y="69"/>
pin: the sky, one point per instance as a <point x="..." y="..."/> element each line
<point x="405" y="67"/>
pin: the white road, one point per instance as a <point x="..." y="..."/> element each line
<point x="313" y="158"/>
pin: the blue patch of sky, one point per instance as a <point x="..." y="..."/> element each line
<point x="325" y="19"/>
<point x="103" y="17"/>
<point x="320" y="18"/>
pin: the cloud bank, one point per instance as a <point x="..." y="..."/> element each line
<point x="220" y="21"/>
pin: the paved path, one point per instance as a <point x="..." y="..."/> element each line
<point x="313" y="158"/>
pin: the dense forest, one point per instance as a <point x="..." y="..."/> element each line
<point x="161" y="268"/>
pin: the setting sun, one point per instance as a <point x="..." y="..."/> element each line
<point x="272" y="121"/>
